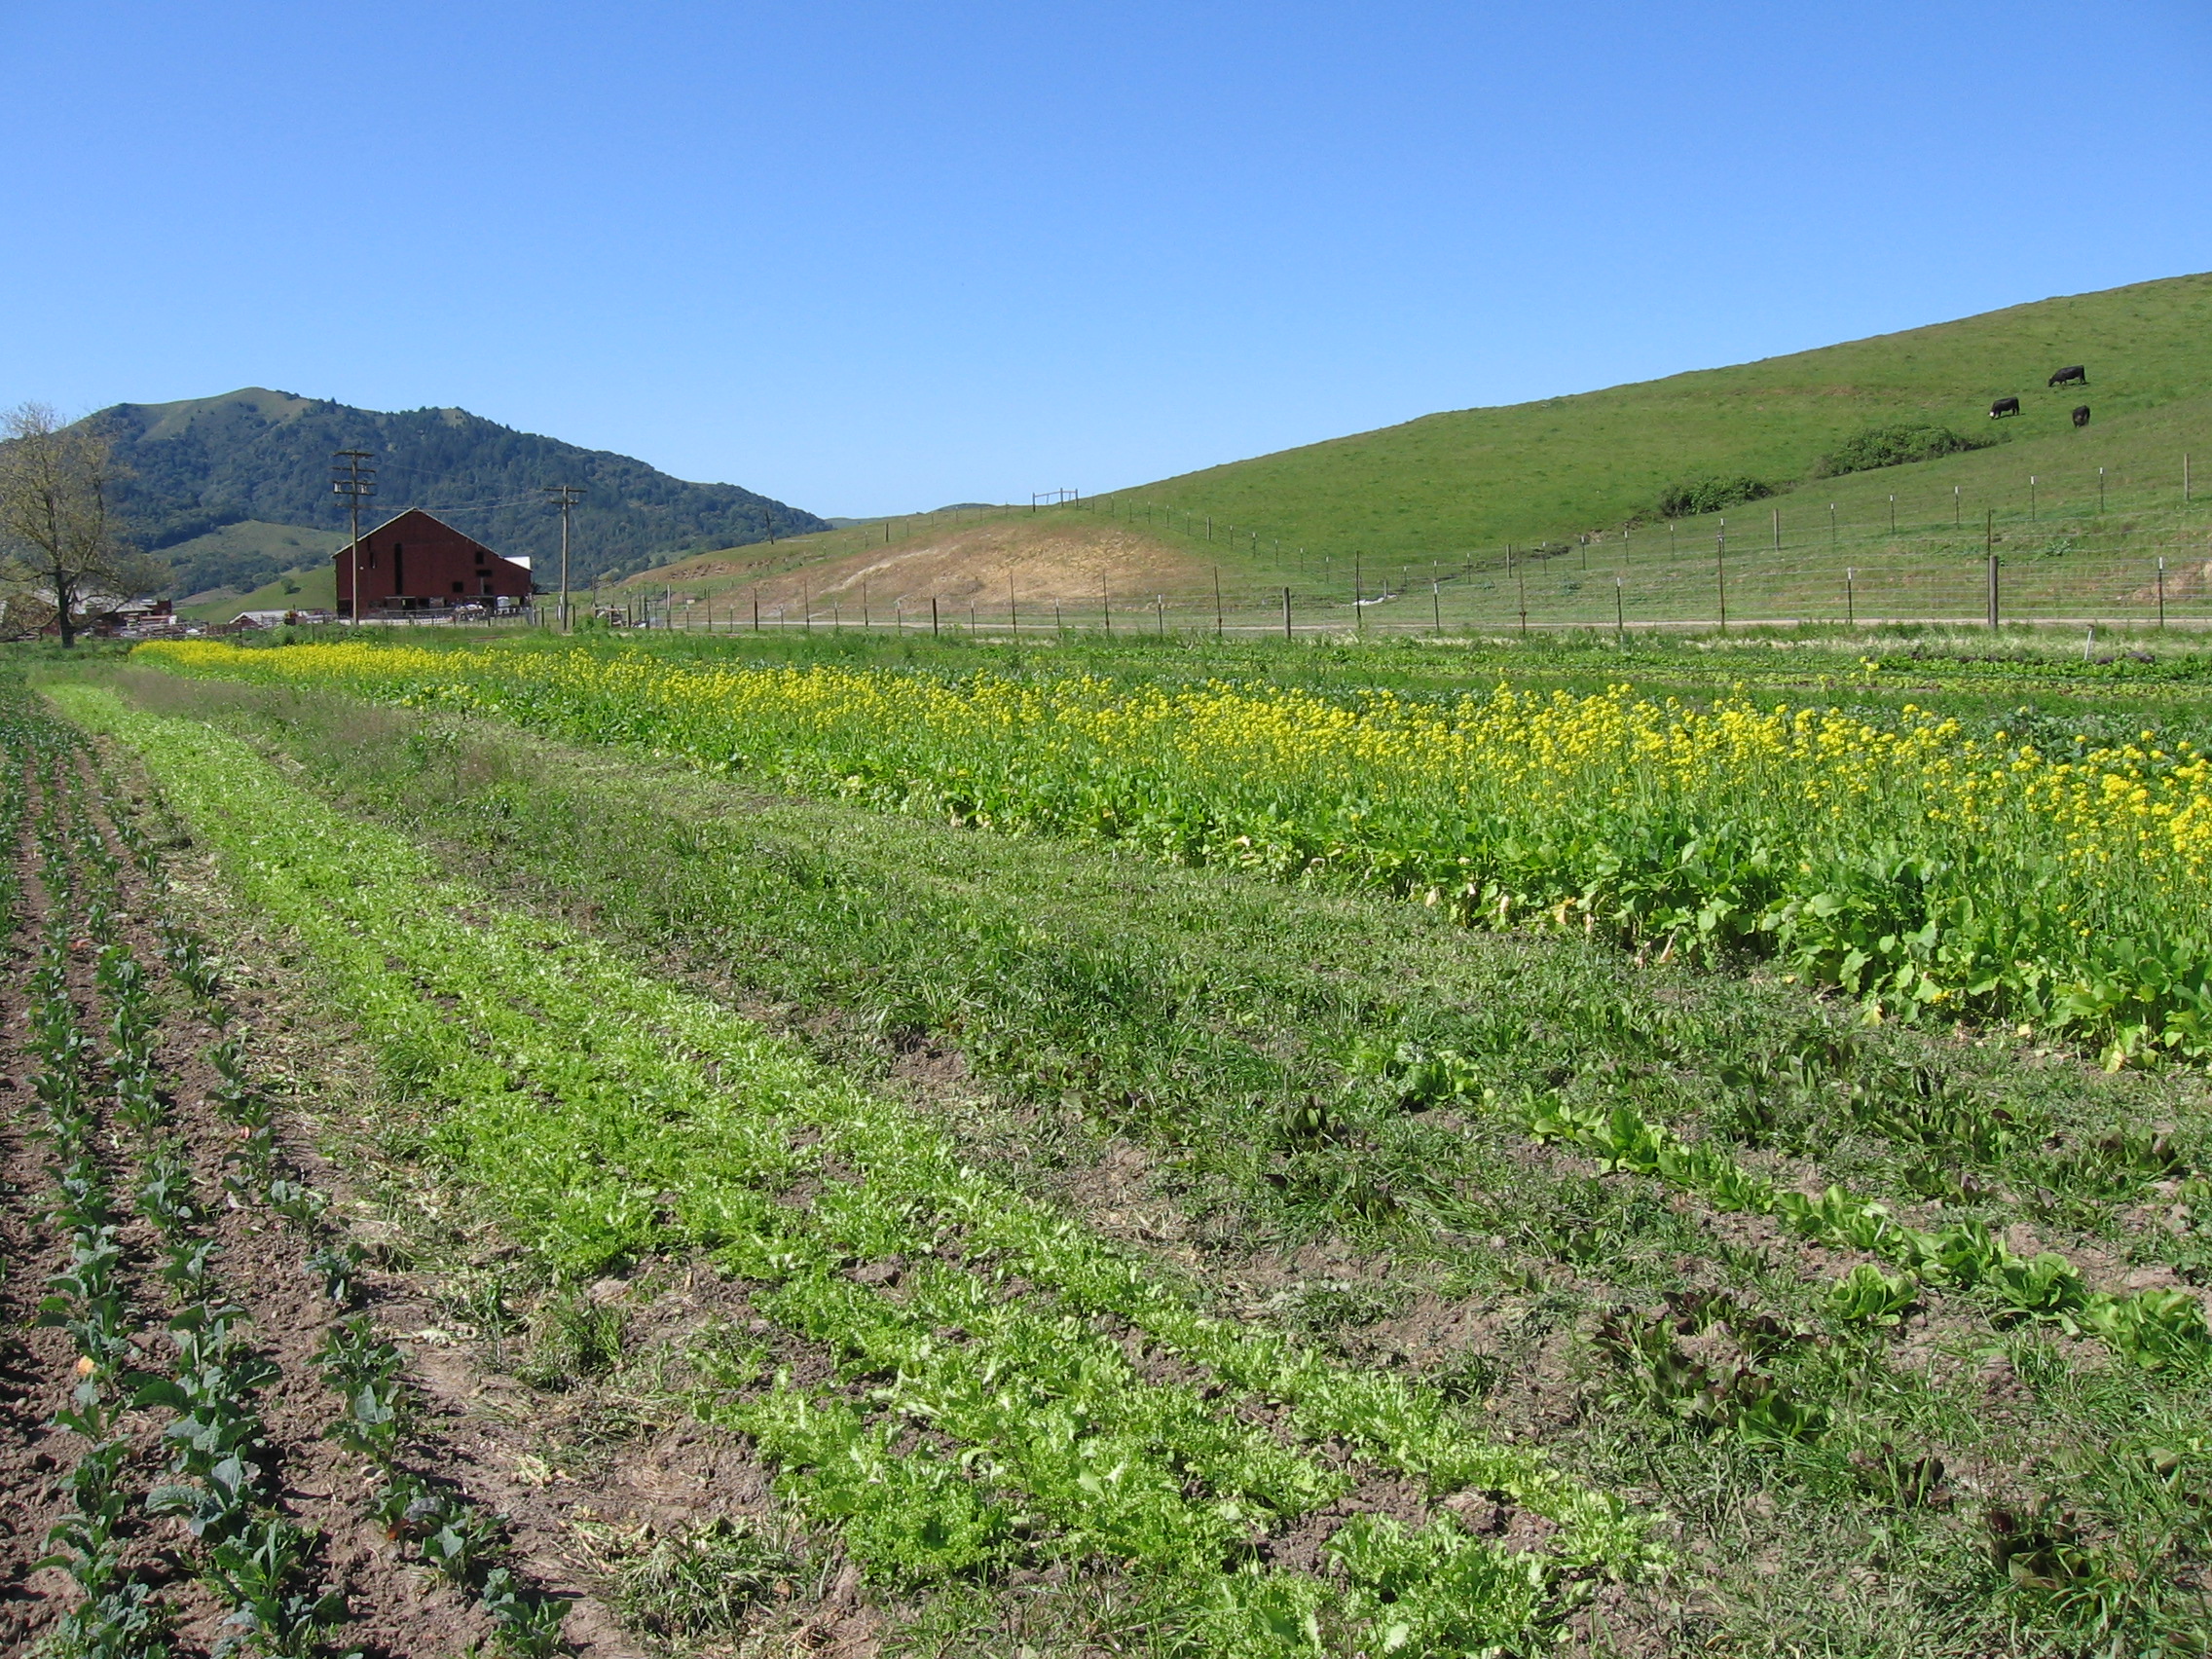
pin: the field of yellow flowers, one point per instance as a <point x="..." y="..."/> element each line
<point x="1902" y="862"/>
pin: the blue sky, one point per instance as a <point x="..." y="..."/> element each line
<point x="874" y="258"/>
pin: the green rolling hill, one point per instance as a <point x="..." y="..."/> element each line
<point x="1550" y="471"/>
<point x="1552" y="510"/>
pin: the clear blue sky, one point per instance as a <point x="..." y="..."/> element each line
<point x="876" y="257"/>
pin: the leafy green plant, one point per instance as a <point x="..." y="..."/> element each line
<point x="257" y="1572"/>
<point x="1868" y="1296"/>
<point x="1695" y="496"/>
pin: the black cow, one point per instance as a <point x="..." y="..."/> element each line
<point x="2004" y="406"/>
<point x="2069" y="375"/>
<point x="2082" y="416"/>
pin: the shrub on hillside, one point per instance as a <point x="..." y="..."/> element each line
<point x="1894" y="446"/>
<point x="1708" y="496"/>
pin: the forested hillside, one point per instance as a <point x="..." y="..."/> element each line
<point x="204" y="464"/>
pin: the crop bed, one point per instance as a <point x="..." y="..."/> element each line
<point x="1034" y="1395"/>
<point x="1050" y="1249"/>
<point x="175" y="1477"/>
<point x="1907" y="862"/>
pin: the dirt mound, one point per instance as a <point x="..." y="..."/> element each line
<point x="973" y="565"/>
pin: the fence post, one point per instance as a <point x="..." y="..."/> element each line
<point x="1989" y="532"/>
<point x="933" y="615"/>
<point x="2162" y="591"/>
<point x="1620" y="614"/>
<point x="1850" y="598"/>
<point x="1286" y="613"/>
<point x="1720" y="570"/>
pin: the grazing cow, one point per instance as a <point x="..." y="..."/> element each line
<point x="2082" y="416"/>
<point x="2004" y="406"/>
<point x="2069" y="375"/>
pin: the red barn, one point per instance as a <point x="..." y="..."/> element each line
<point x="415" y="562"/>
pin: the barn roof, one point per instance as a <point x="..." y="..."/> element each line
<point x="429" y="518"/>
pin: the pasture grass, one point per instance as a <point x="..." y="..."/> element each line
<point x="1572" y="483"/>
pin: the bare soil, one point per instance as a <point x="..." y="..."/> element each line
<point x="1042" y="562"/>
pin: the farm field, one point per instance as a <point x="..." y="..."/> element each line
<point x="861" y="1146"/>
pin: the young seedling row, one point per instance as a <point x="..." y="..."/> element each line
<point x="137" y="1203"/>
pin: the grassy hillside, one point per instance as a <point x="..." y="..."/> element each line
<point x="236" y="558"/>
<point x="1480" y="477"/>
<point x="312" y="587"/>
<point x="1545" y="514"/>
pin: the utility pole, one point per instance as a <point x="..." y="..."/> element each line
<point x="355" y="483"/>
<point x="564" y="497"/>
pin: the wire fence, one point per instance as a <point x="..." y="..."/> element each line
<point x="2165" y="585"/>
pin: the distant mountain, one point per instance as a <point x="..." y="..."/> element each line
<point x="204" y="464"/>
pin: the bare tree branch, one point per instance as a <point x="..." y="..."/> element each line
<point x="58" y="532"/>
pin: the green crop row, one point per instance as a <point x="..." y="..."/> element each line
<point x="251" y="1556"/>
<point x="1906" y="862"/>
<point x="611" y="1116"/>
<point x="2152" y="1328"/>
<point x="116" y="1616"/>
<point x="258" y="1565"/>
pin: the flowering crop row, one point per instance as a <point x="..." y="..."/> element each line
<point x="611" y="1115"/>
<point x="1904" y="862"/>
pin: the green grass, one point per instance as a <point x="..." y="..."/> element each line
<point x="1477" y="478"/>
<point x="312" y="584"/>
<point x="1837" y="1484"/>
<point x="1438" y="499"/>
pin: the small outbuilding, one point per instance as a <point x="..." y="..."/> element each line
<point x="415" y="562"/>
